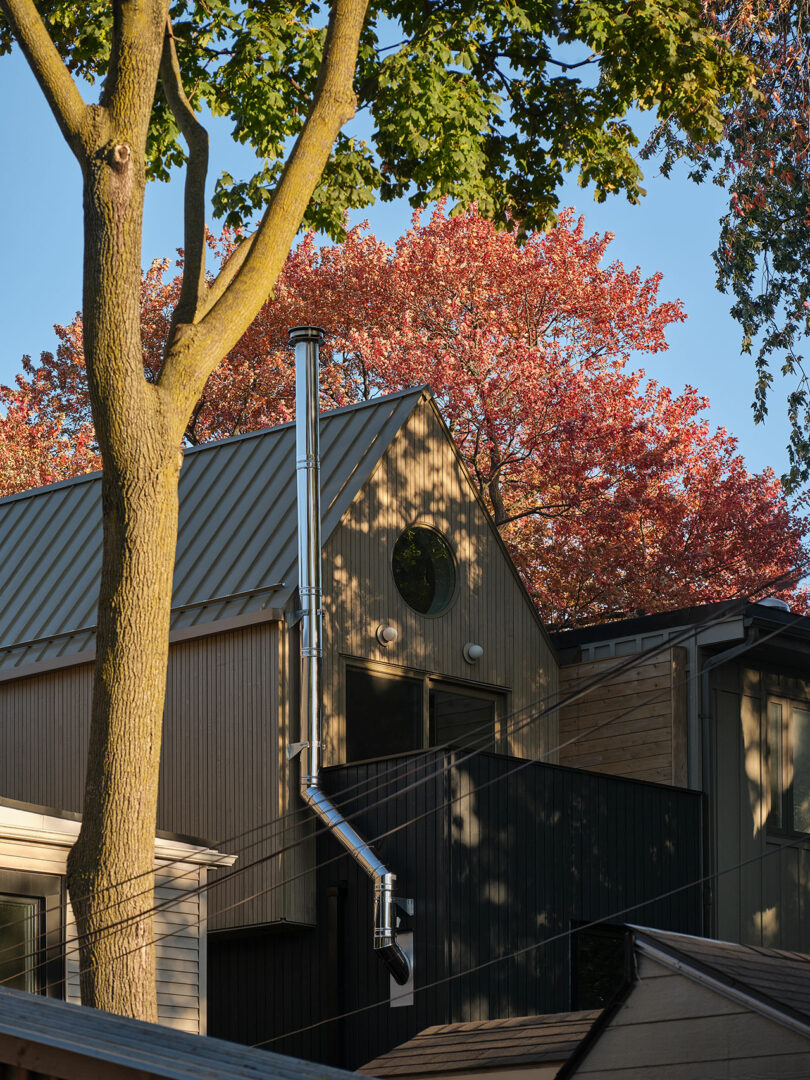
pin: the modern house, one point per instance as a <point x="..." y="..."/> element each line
<point x="38" y="947"/>
<point x="439" y="735"/>
<point x="723" y="706"/>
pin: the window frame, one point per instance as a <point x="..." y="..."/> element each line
<point x="48" y="890"/>
<point x="500" y="695"/>
<point x="782" y="803"/>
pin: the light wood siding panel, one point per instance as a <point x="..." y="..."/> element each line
<point x="44" y="722"/>
<point x="767" y="900"/>
<point x="225" y="730"/>
<point x="673" y="1028"/>
<point x="634" y="724"/>
<point x="224" y="746"/>
<point x="419" y="480"/>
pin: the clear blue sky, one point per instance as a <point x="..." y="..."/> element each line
<point x="673" y="232"/>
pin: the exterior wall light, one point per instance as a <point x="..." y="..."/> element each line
<point x="387" y="635"/>
<point x="472" y="652"/>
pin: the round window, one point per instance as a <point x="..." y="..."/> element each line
<point x="424" y="570"/>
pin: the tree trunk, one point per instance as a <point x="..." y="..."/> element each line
<point x="110" y="868"/>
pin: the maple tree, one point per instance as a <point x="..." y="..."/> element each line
<point x="613" y="496"/>
<point x="470" y="101"/>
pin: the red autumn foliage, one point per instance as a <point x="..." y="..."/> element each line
<point x="613" y="496"/>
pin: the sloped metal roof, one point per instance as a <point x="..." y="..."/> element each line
<point x="67" y="1041"/>
<point x="237" y="536"/>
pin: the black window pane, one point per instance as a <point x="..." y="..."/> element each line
<point x="599" y="962"/>
<point x="383" y="715"/>
<point x="461" y="719"/>
<point x="424" y="570"/>
<point x="18" y="943"/>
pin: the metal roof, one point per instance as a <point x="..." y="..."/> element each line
<point x="71" y="1041"/>
<point x="486" y="1044"/>
<point x="237" y="542"/>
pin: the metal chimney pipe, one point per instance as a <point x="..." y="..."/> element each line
<point x="307" y="340"/>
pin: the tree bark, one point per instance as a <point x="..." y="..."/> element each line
<point x="140" y="428"/>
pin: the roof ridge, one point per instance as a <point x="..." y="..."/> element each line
<point x="214" y="444"/>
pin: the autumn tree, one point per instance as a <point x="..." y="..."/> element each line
<point x="613" y="497"/>
<point x="470" y="101"/>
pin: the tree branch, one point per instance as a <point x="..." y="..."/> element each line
<point x="55" y="80"/>
<point x="195" y="354"/>
<point x="193" y="287"/>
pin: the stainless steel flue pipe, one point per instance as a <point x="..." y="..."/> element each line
<point x="307" y="340"/>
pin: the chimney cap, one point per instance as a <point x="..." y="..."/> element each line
<point x="306" y="333"/>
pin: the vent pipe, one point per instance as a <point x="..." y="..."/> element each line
<point x="306" y="340"/>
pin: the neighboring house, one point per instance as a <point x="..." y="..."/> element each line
<point x="702" y="1009"/>
<point x="38" y="949"/>
<point x="43" y="1039"/>
<point x="535" y="1047"/>
<point x="723" y="707"/>
<point x="683" y="1007"/>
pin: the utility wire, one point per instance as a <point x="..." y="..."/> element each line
<point x="522" y="764"/>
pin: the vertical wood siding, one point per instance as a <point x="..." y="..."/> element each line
<point x="499" y="856"/>
<point x="767" y="900"/>
<point x="647" y="739"/>
<point x="419" y="481"/>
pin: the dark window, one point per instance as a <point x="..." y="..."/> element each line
<point x="599" y="965"/>
<point x="461" y="719"/>
<point x="31" y="938"/>
<point x="19" y="933"/>
<point x="383" y="715"/>
<point x="424" y="570"/>
<point x="787" y="757"/>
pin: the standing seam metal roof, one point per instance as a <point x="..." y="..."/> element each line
<point x="237" y="530"/>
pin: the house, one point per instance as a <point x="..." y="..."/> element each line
<point x="38" y="948"/>
<point x="699" y="1008"/>
<point x="44" y="1039"/>
<point x="716" y="698"/>
<point x="683" y="1007"/>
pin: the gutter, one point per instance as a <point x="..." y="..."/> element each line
<point x="307" y="340"/>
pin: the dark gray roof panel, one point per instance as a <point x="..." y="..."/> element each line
<point x="53" y="1033"/>
<point x="777" y="978"/>
<point x="486" y="1044"/>
<point x="237" y="530"/>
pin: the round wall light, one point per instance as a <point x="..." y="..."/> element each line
<point x="386" y="634"/>
<point x="472" y="652"/>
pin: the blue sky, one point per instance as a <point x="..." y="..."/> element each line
<point x="673" y="232"/>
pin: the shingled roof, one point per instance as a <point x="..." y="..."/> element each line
<point x="778" y="980"/>
<point x="485" y="1044"/>
<point x="237" y="547"/>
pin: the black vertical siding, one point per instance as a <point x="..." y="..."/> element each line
<point x="500" y="857"/>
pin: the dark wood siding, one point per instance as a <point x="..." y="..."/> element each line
<point x="499" y="855"/>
